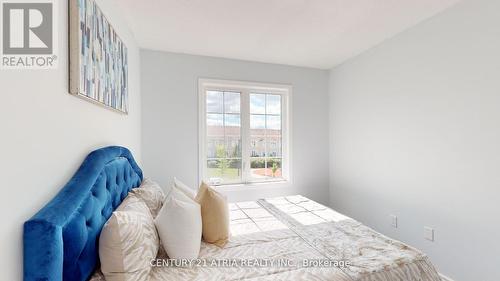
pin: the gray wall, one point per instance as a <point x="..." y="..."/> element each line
<point x="46" y="133"/>
<point x="415" y="132"/>
<point x="170" y="119"/>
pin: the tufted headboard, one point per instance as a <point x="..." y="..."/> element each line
<point x="61" y="240"/>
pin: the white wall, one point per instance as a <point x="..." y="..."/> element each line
<point x="415" y="132"/>
<point x="170" y="119"/>
<point x="46" y="133"/>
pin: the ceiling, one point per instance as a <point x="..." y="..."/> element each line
<point x="311" y="33"/>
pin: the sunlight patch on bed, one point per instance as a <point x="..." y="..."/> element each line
<point x="250" y="217"/>
<point x="306" y="211"/>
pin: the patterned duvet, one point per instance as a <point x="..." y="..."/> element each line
<point x="295" y="238"/>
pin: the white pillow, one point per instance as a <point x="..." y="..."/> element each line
<point x="191" y="193"/>
<point x="179" y="226"/>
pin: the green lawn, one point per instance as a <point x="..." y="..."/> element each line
<point x="229" y="173"/>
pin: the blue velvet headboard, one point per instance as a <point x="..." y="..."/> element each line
<point x="61" y="240"/>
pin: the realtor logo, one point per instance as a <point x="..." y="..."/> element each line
<point x="28" y="35"/>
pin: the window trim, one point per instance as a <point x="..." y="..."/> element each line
<point x="285" y="90"/>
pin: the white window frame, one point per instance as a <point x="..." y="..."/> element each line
<point x="245" y="88"/>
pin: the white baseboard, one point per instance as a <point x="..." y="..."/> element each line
<point x="445" y="278"/>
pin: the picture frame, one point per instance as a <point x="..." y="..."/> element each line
<point x="98" y="58"/>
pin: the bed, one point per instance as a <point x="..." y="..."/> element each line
<point x="284" y="238"/>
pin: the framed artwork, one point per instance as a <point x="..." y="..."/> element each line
<point x="98" y="58"/>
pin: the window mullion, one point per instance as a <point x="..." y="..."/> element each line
<point x="203" y="133"/>
<point x="266" y="156"/>
<point x="245" y="134"/>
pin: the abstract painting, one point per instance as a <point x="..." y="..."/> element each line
<point x="98" y="57"/>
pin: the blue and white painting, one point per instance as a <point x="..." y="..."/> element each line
<point x="100" y="72"/>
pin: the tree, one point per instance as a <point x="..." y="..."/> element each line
<point x="223" y="163"/>
<point x="236" y="150"/>
<point x="274" y="169"/>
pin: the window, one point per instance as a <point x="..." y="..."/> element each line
<point x="243" y="132"/>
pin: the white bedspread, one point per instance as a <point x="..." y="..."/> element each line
<point x="286" y="238"/>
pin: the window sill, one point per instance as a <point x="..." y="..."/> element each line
<point x="250" y="186"/>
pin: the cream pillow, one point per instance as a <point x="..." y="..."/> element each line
<point x="127" y="244"/>
<point x="214" y="214"/>
<point x="152" y="194"/>
<point x="179" y="226"/>
<point x="191" y="193"/>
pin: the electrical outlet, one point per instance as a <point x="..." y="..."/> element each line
<point x="394" y="221"/>
<point x="429" y="233"/>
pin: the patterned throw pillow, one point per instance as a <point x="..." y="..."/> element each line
<point x="152" y="194"/>
<point x="133" y="203"/>
<point x="128" y="243"/>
